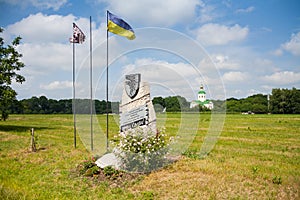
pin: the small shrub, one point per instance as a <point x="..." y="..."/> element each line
<point x="277" y="180"/>
<point x="88" y="167"/>
<point x="109" y="171"/>
<point x="92" y="171"/>
<point x="254" y="169"/>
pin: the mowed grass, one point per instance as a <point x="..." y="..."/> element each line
<point x="256" y="157"/>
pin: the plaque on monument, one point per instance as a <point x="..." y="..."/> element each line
<point x="134" y="118"/>
<point x="136" y="108"/>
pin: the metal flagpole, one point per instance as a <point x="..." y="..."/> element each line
<point x="91" y="85"/>
<point x="74" y="107"/>
<point x="107" y="80"/>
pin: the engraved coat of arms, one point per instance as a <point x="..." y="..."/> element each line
<point x="132" y="84"/>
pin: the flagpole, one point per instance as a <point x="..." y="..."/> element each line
<point x="74" y="107"/>
<point x="91" y="85"/>
<point x="107" y="80"/>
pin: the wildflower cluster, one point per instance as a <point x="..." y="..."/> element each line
<point x="141" y="150"/>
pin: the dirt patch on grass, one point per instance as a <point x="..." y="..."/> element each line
<point x="108" y="175"/>
<point x="121" y="180"/>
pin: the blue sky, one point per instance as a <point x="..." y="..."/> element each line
<point x="234" y="48"/>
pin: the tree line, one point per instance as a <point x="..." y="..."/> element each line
<point x="43" y="105"/>
<point x="281" y="101"/>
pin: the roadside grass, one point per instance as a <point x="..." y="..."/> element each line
<point x="256" y="157"/>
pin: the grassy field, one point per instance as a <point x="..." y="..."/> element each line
<point x="256" y="157"/>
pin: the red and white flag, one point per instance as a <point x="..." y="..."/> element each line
<point x="78" y="35"/>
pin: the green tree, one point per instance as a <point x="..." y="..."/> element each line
<point x="159" y="100"/>
<point x="176" y="104"/>
<point x="285" y="101"/>
<point x="9" y="64"/>
<point x="295" y="101"/>
<point x="233" y="105"/>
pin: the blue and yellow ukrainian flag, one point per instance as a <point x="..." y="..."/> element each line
<point x="118" y="26"/>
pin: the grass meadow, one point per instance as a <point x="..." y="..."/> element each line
<point x="256" y="157"/>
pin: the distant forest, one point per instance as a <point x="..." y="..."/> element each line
<point x="281" y="101"/>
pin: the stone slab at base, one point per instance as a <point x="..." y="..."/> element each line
<point x="109" y="159"/>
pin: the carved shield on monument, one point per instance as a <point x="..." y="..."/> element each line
<point x="132" y="84"/>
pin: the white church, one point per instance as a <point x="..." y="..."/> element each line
<point x="202" y="101"/>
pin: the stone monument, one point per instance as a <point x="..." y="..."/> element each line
<point x="136" y="108"/>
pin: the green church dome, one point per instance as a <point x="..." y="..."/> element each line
<point x="201" y="92"/>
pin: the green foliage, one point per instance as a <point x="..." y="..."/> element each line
<point x="257" y="103"/>
<point x="9" y="64"/>
<point x="109" y="171"/>
<point x="254" y="169"/>
<point x="42" y="105"/>
<point x="176" y="104"/>
<point x="159" y="101"/>
<point x="89" y="168"/>
<point x="285" y="101"/>
<point x="281" y="101"/>
<point x="141" y="150"/>
<point x="277" y="180"/>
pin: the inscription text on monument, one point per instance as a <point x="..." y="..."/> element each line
<point x="135" y="117"/>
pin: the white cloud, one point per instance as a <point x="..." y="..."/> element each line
<point x="235" y="76"/>
<point x="206" y="13"/>
<point x="293" y="45"/>
<point x="154" y="12"/>
<point x="49" y="4"/>
<point x="224" y="62"/>
<point x="263" y="62"/>
<point x="41" y="4"/>
<point x="45" y="45"/>
<point x="283" y="78"/>
<point x="40" y="28"/>
<point x="217" y="34"/>
<point x="47" y="53"/>
<point x="277" y="52"/>
<point x="57" y="85"/>
<point x="47" y="57"/>
<point x="246" y="10"/>
<point x="161" y="71"/>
